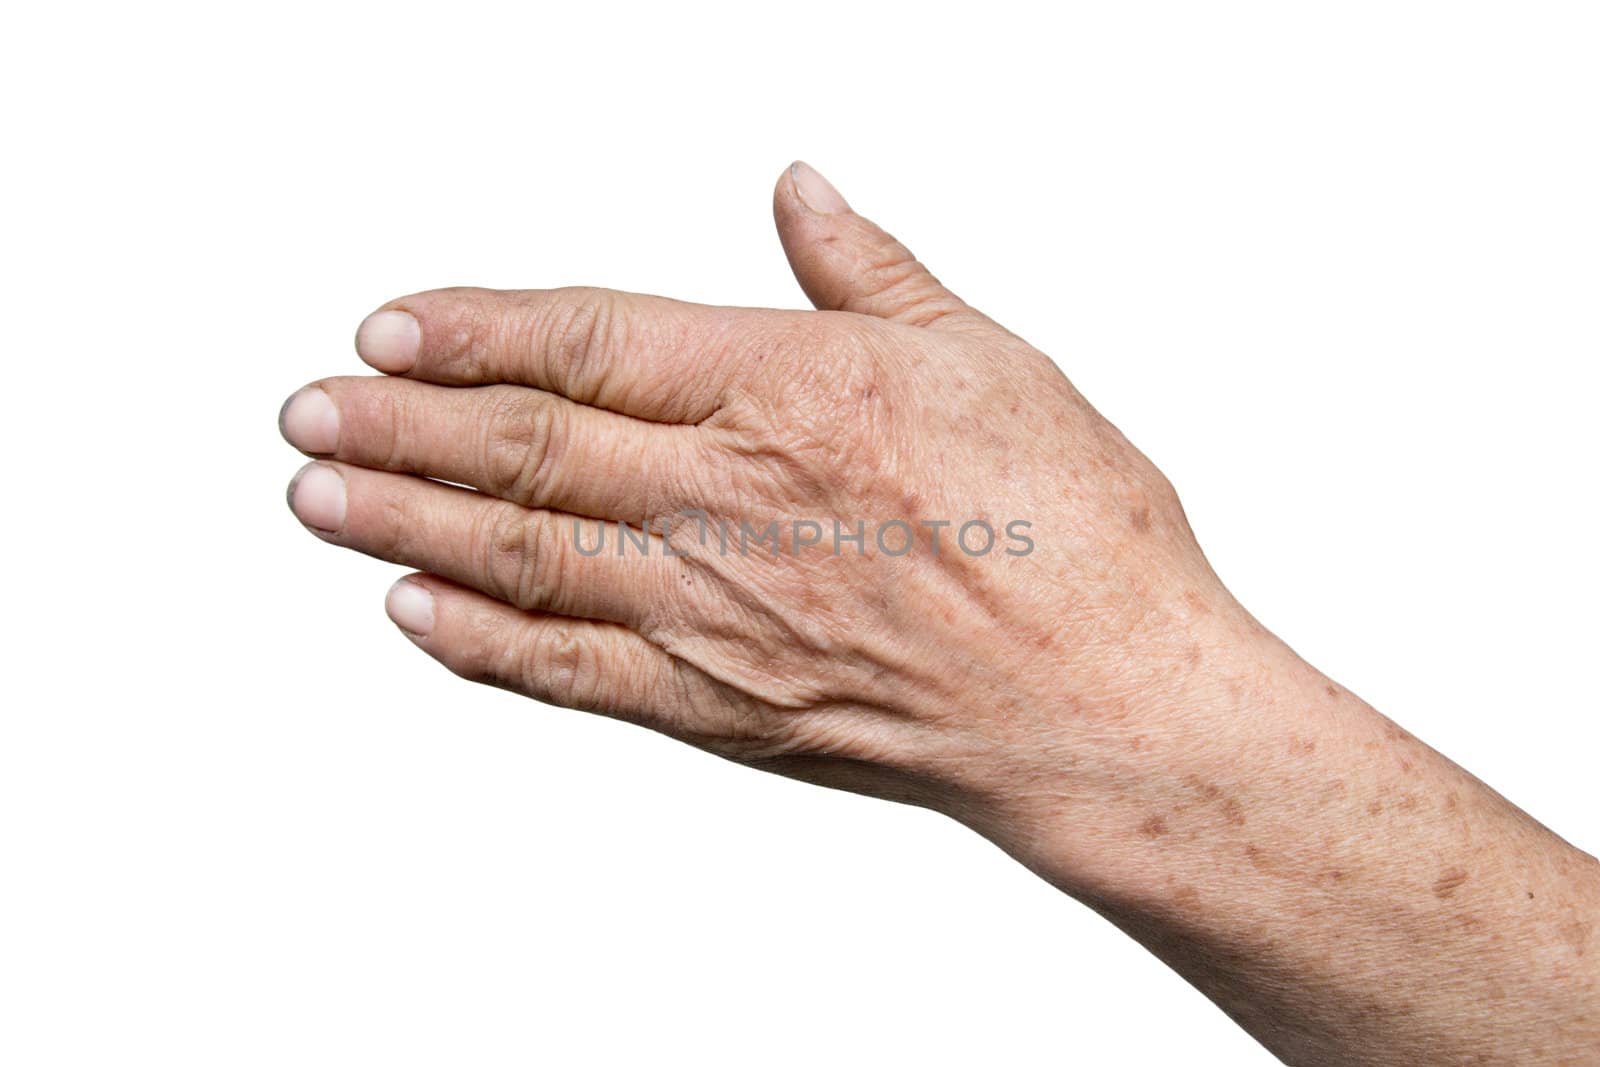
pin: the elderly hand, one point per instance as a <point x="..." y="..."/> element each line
<point x="886" y="546"/>
<point x="905" y="550"/>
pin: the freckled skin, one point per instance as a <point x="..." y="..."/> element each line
<point x="1101" y="706"/>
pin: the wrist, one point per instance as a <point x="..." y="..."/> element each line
<point x="1304" y="862"/>
<point x="1197" y="732"/>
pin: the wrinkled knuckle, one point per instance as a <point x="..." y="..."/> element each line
<point x="893" y="276"/>
<point x="516" y="559"/>
<point x="565" y="670"/>
<point x="581" y="323"/>
<point x="503" y="444"/>
<point x="889" y="266"/>
<point x="518" y="447"/>
<point x="538" y="577"/>
<point x="386" y="425"/>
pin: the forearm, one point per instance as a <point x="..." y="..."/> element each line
<point x="1344" y="892"/>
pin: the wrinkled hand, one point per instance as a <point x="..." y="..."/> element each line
<point x="886" y="546"/>
<point x="973" y="581"/>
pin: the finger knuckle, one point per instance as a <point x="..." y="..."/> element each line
<point x="517" y="562"/>
<point x="386" y="426"/>
<point x="580" y="324"/>
<point x="564" y="669"/>
<point x="520" y="435"/>
<point x="892" y="277"/>
<point x="887" y="266"/>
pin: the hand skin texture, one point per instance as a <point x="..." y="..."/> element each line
<point x="1101" y="707"/>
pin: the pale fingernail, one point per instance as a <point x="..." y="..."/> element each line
<point x="410" y="607"/>
<point x="816" y="192"/>
<point x="389" y="341"/>
<point x="316" y="496"/>
<point x="310" y="422"/>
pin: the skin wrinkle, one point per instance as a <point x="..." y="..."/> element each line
<point x="1102" y="708"/>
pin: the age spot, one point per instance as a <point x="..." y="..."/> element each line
<point x="1576" y="933"/>
<point x="1394" y="733"/>
<point x="1260" y="860"/>
<point x="1232" y="812"/>
<point x="1449" y="880"/>
<point x="1154" y="826"/>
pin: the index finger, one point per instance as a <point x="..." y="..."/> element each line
<point x="646" y="356"/>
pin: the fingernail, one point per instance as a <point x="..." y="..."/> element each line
<point x="389" y="341"/>
<point x="410" y="607"/>
<point x="316" y="496"/>
<point x="816" y="192"/>
<point x="310" y="422"/>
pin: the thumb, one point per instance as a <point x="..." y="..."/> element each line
<point x="846" y="263"/>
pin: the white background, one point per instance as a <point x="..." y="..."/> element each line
<point x="1334" y="267"/>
